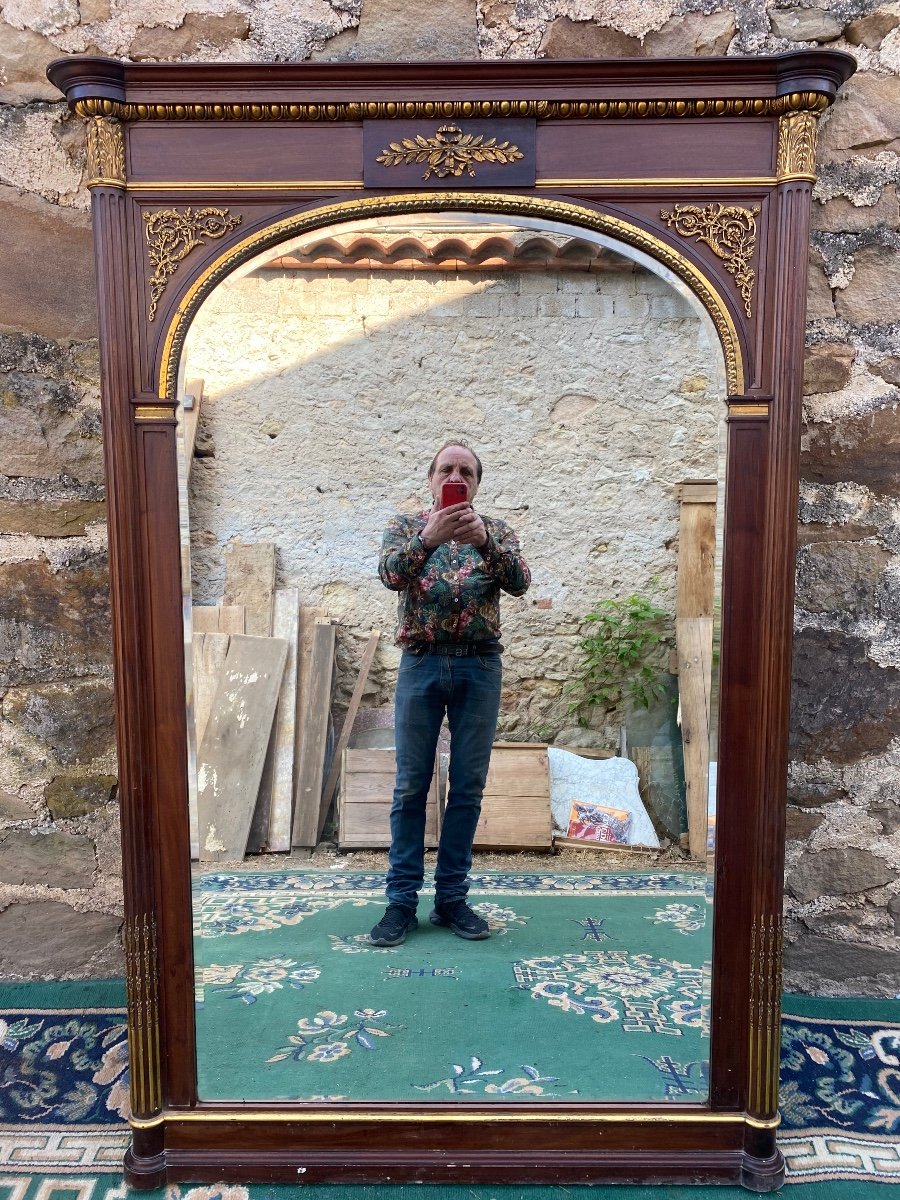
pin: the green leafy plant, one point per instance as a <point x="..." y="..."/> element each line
<point x="620" y="656"/>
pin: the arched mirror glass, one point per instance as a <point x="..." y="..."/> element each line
<point x="317" y="384"/>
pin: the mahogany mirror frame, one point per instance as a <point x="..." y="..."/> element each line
<point x="673" y="157"/>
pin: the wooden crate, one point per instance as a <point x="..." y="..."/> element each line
<point x="515" y="810"/>
<point x="364" y="801"/>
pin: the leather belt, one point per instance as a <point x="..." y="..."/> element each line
<point x="456" y="649"/>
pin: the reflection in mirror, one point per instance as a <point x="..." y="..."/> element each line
<point x="317" y="385"/>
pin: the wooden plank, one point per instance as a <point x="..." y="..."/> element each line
<point x="281" y="798"/>
<point x="696" y="560"/>
<point x="250" y="581"/>
<point x="233" y="749"/>
<point x="208" y="652"/>
<point x="698" y="491"/>
<point x="311" y="763"/>
<point x="618" y="847"/>
<point x="231" y="618"/>
<point x="344" y="739"/>
<point x="515" y="808"/>
<point x="204" y="618"/>
<point x="217" y="618"/>
<point x="365" y="797"/>
<point x="191" y="401"/>
<point x="693" y="640"/>
<point x="308" y="618"/>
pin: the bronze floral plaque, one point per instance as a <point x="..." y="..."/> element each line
<point x="448" y="152"/>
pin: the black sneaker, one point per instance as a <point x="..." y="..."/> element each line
<point x="461" y="919"/>
<point x="393" y="927"/>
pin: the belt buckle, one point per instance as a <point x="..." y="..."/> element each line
<point x="459" y="652"/>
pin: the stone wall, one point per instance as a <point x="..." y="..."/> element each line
<point x="58" y="871"/>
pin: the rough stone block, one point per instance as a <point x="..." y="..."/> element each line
<point x="805" y="24"/>
<point x="840" y="576"/>
<point x="25" y="55"/>
<point x="827" y="368"/>
<point x="75" y="719"/>
<point x="47" y="282"/>
<point x="52" y="518"/>
<point x="14" y="809"/>
<point x="799" y="825"/>
<point x="828" y="958"/>
<point x="53" y="623"/>
<point x="74" y="795"/>
<point x="49" y="940"/>
<point x="560" y="305"/>
<point x="861" y="449"/>
<point x="398" y="31"/>
<point x="669" y="308"/>
<point x="197" y="29"/>
<point x="692" y="34"/>
<point x="516" y="306"/>
<point x="844" y="706"/>
<point x="865" y="118"/>
<point x="595" y="305"/>
<point x="819" y="300"/>
<point x="840" y="871"/>
<point x="632" y="308"/>
<point x="566" y="38"/>
<point x="841" y="216"/>
<point x="63" y="860"/>
<point x="888" y="369"/>
<point x="811" y="795"/>
<point x="872" y="29"/>
<point x="873" y="294"/>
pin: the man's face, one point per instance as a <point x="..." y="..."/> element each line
<point x="455" y="464"/>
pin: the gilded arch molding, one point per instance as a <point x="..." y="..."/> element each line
<point x="561" y="211"/>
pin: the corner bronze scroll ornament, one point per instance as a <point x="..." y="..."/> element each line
<point x="797" y="147"/>
<point x="172" y="235"/>
<point x="143" y="1014"/>
<point x="728" y="230"/>
<point x="449" y="152"/>
<point x="105" y="153"/>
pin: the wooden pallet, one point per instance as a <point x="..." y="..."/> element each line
<point x="515" y="810"/>
<point x="364" y="801"/>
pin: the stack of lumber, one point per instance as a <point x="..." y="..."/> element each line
<point x="263" y="668"/>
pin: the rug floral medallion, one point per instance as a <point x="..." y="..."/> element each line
<point x="591" y="986"/>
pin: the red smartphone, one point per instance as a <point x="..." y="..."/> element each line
<point x="453" y="493"/>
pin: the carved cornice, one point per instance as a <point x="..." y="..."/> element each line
<point x="730" y="232"/>
<point x="542" y="110"/>
<point x="172" y="235"/>
<point x="143" y="1014"/>
<point x="105" y="152"/>
<point x="797" y="146"/>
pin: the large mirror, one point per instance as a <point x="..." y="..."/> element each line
<point x="312" y="278"/>
<point x="317" y="385"/>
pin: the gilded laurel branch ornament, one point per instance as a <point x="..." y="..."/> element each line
<point x="797" y="146"/>
<point x="172" y="235"/>
<point x="730" y="232"/>
<point x="449" y="152"/>
<point x="105" y="152"/>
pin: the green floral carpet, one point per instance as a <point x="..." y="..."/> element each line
<point x="591" y="986"/>
<point x="64" y="1068"/>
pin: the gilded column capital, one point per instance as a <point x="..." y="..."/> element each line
<point x="105" y="152"/>
<point x="797" y="146"/>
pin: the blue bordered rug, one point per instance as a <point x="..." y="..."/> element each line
<point x="64" y="1081"/>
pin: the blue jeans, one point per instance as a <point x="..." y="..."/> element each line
<point x="468" y="690"/>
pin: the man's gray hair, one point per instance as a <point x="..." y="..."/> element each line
<point x="464" y="445"/>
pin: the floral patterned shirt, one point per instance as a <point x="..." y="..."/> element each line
<point x="451" y="593"/>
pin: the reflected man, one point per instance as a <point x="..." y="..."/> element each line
<point x="449" y="566"/>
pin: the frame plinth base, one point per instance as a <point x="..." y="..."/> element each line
<point x="763" y="1174"/>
